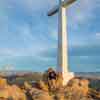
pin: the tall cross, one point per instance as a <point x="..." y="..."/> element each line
<point x="62" y="59"/>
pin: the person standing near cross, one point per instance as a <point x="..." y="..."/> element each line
<point x="62" y="57"/>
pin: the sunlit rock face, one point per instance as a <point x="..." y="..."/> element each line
<point x="37" y="94"/>
<point x="3" y="83"/>
<point x="10" y="92"/>
<point x="16" y="93"/>
<point x="76" y="89"/>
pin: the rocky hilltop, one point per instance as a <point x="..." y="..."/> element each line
<point x="76" y="89"/>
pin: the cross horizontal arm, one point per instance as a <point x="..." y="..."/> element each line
<point x="65" y="3"/>
<point x="53" y="10"/>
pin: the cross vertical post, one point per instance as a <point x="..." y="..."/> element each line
<point x="62" y="56"/>
<point x="62" y="59"/>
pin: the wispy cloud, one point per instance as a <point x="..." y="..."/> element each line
<point x="97" y="35"/>
<point x="25" y="29"/>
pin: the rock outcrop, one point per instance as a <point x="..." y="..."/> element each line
<point x="37" y="94"/>
<point x="10" y="92"/>
<point x="76" y="89"/>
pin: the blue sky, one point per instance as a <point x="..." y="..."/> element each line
<point x="28" y="37"/>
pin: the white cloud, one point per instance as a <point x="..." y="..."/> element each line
<point x="97" y="35"/>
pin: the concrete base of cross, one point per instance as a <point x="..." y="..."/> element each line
<point x="67" y="77"/>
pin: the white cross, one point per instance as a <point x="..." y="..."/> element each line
<point x="62" y="59"/>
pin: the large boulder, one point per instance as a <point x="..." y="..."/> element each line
<point x="4" y="94"/>
<point x="84" y="86"/>
<point x="16" y="93"/>
<point x="13" y="92"/>
<point x="3" y="86"/>
<point x="59" y="80"/>
<point x="3" y="83"/>
<point x="27" y="86"/>
<point x="77" y="88"/>
<point x="59" y="96"/>
<point x="42" y="85"/>
<point x="37" y="94"/>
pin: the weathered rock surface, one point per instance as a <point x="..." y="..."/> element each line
<point x="3" y="83"/>
<point x="39" y="94"/>
<point x="10" y="92"/>
<point x="79" y="86"/>
<point x="77" y="89"/>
